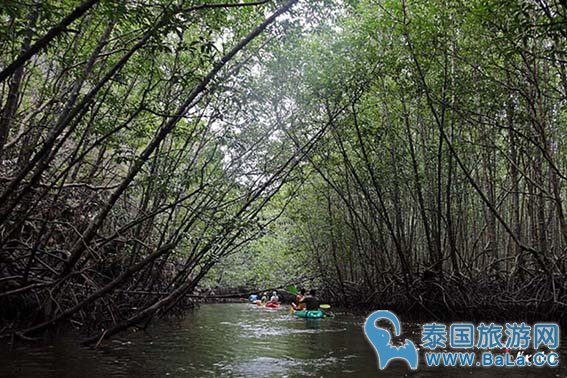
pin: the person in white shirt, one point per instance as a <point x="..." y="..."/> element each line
<point x="274" y="298"/>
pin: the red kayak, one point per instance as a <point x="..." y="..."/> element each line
<point x="272" y="305"/>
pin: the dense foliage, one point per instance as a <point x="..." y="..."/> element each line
<point x="439" y="187"/>
<point x="129" y="165"/>
<point x="389" y="152"/>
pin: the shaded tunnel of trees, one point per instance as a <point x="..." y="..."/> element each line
<point x="390" y="153"/>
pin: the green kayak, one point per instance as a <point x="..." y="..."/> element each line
<point x="310" y="314"/>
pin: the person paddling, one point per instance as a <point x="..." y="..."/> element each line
<point x="274" y="298"/>
<point x="298" y="305"/>
<point x="311" y="301"/>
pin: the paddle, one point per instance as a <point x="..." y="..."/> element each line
<point x="325" y="306"/>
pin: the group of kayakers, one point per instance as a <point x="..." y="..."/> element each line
<point x="273" y="301"/>
<point x="303" y="300"/>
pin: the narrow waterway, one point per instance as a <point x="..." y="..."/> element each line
<point x="239" y="340"/>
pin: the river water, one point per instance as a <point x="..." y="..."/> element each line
<point x="239" y="340"/>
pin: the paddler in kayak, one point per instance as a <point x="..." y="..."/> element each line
<point x="298" y="304"/>
<point x="310" y="301"/>
<point x="274" y="299"/>
<point x="262" y="301"/>
<point x="312" y="307"/>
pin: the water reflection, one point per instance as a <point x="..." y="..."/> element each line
<point x="232" y="340"/>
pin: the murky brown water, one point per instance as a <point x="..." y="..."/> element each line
<point x="237" y="340"/>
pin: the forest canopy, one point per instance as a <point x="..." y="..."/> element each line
<point x="387" y="152"/>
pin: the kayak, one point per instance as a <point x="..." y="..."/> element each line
<point x="310" y="314"/>
<point x="267" y="305"/>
